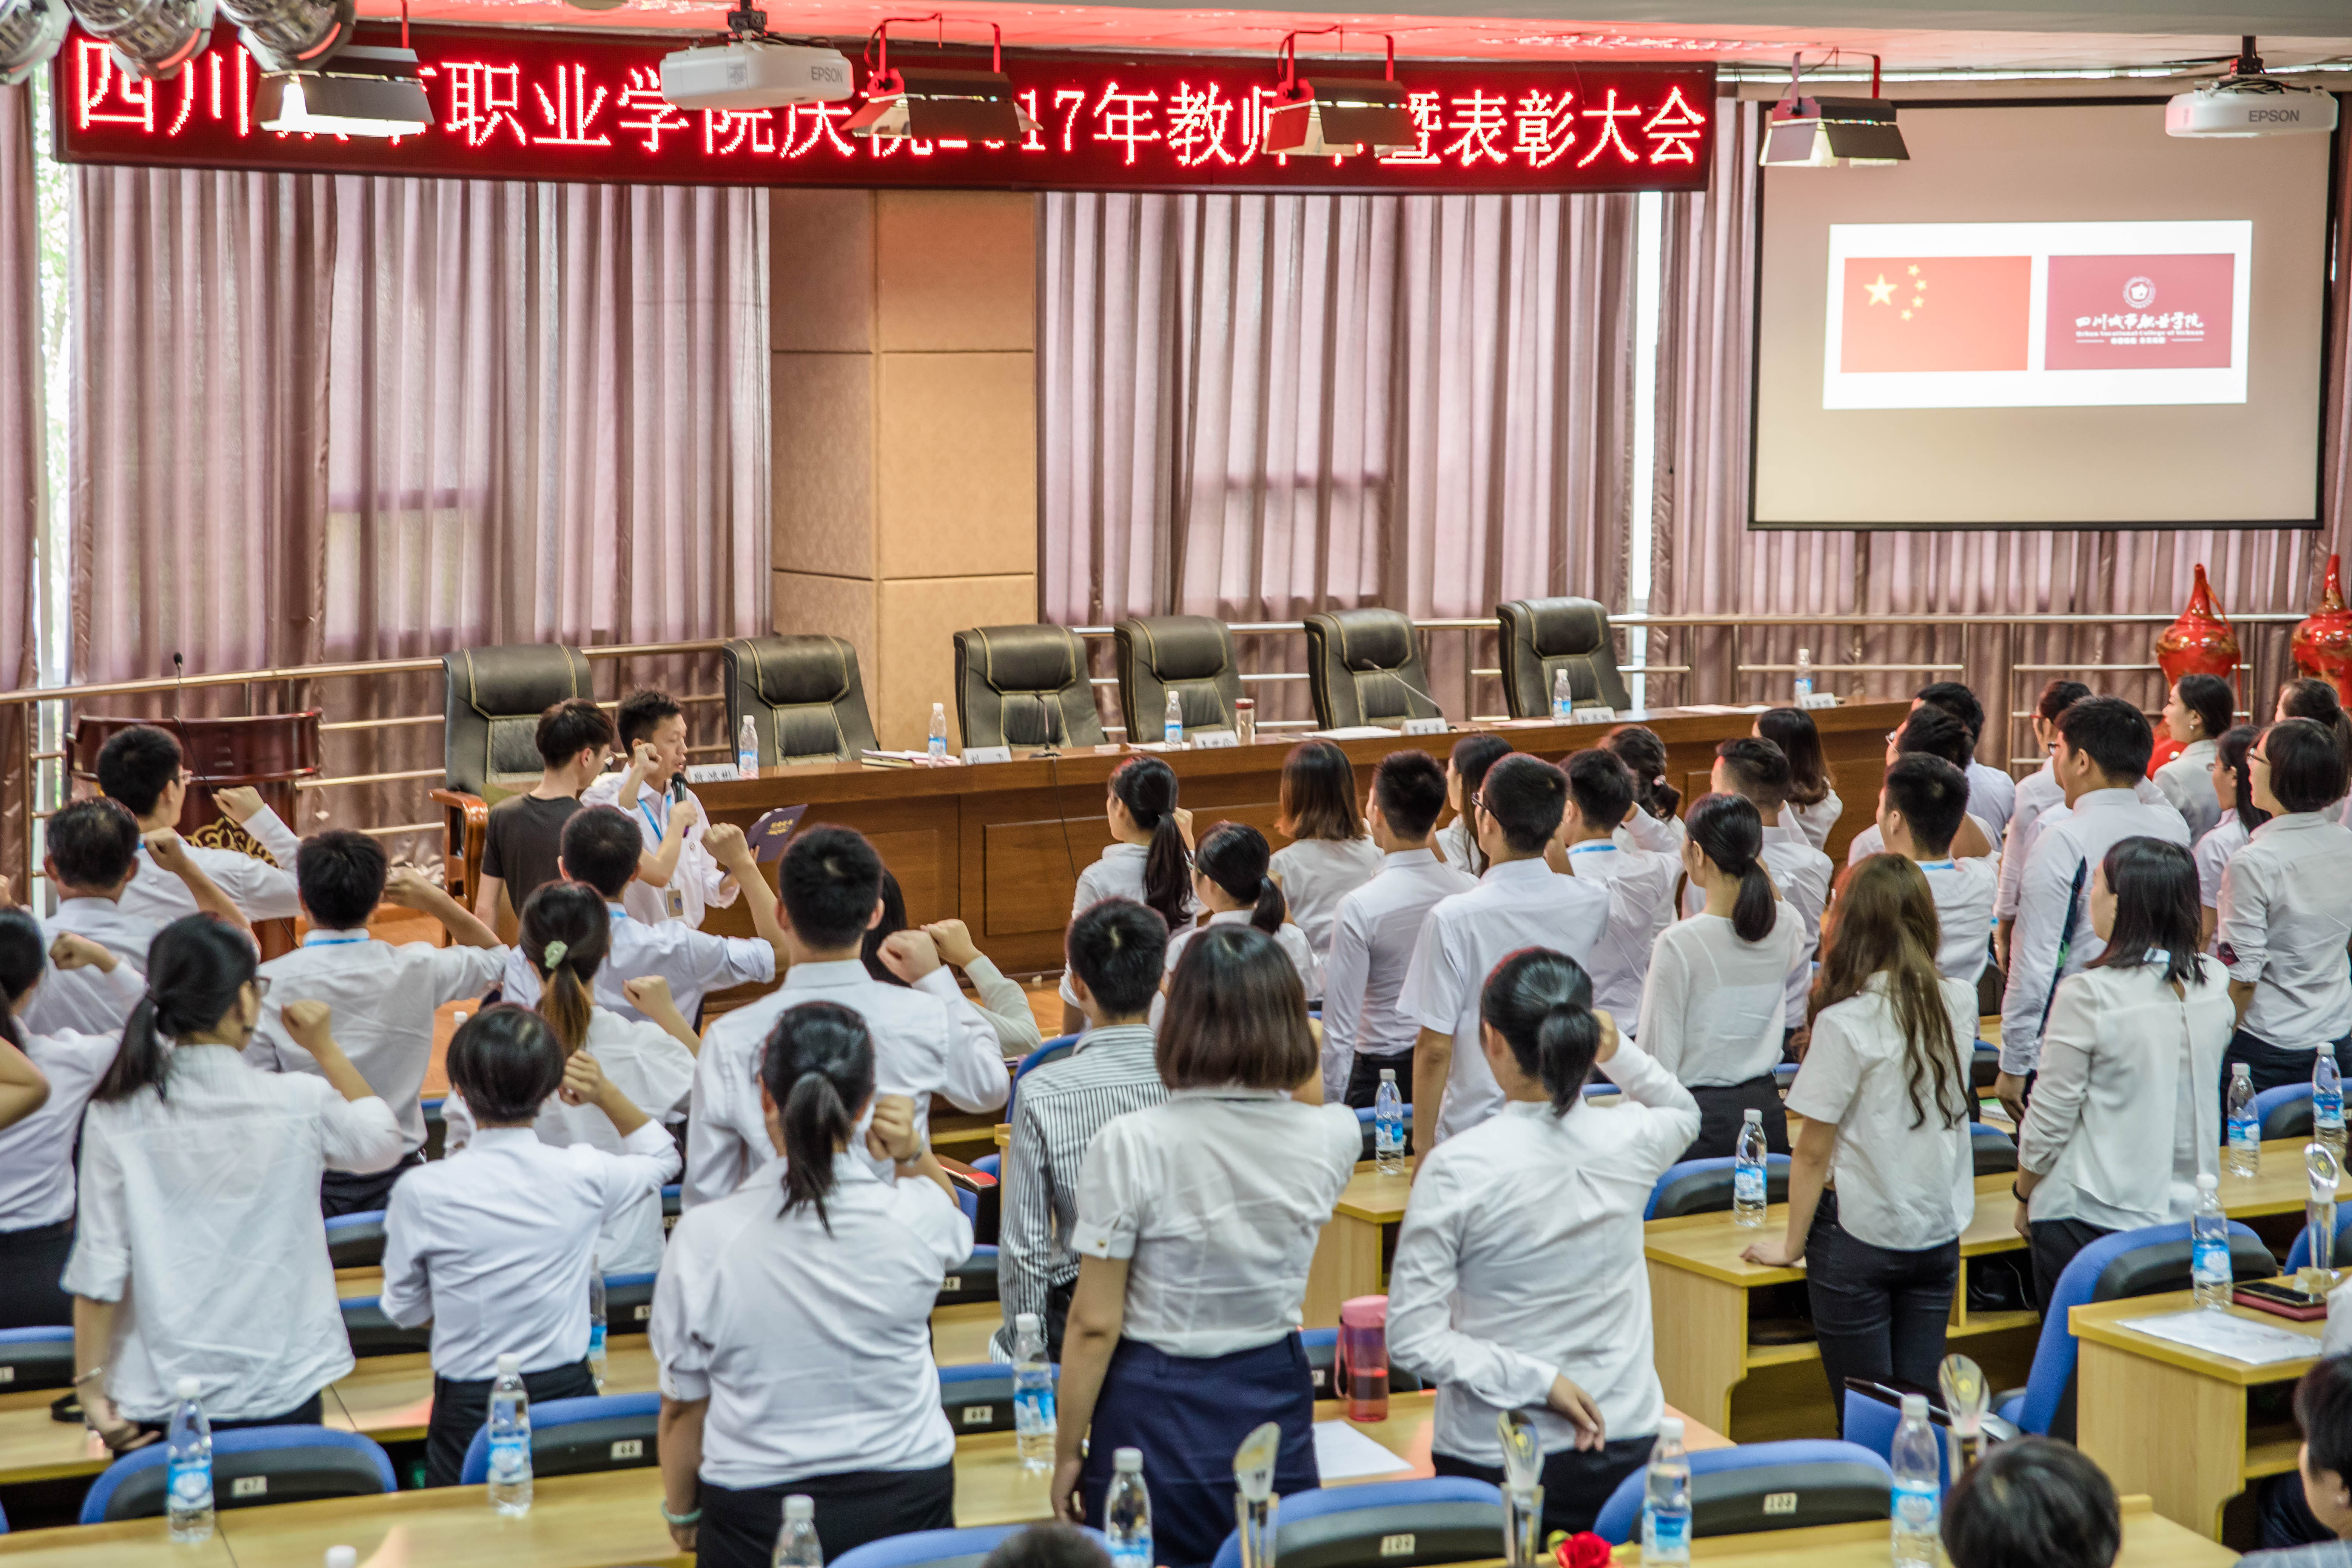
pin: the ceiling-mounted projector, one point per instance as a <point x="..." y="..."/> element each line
<point x="2248" y="103"/>
<point x="754" y="69"/>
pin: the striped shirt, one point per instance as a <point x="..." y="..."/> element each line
<point x="1056" y="1112"/>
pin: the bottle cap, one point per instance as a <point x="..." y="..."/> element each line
<point x="799" y="1507"/>
<point x="1127" y="1459"/>
<point x="342" y="1557"/>
<point x="1805" y="655"/>
<point x="1025" y="1321"/>
<point x="2208" y="1182"/>
<point x="1751" y="1114"/>
<point x="1671" y="1426"/>
<point x="2246" y="1070"/>
<point x="1915" y="1407"/>
<point x="1388" y="1075"/>
<point x="188" y="1388"/>
<point x="509" y="1363"/>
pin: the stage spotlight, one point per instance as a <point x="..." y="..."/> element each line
<point x="937" y="102"/>
<point x="152" y="39"/>
<point x="30" y="32"/>
<point x="1337" y="116"/>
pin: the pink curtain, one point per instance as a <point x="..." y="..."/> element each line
<point x="24" y="494"/>
<point x="1259" y="406"/>
<point x="1707" y="560"/>
<point x="399" y="416"/>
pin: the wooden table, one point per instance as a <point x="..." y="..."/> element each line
<point x="2170" y="1420"/>
<point x="1699" y="1286"/>
<point x="2150" y="1541"/>
<point x="1347" y="1254"/>
<point x="1001" y="845"/>
<point x="577" y="1521"/>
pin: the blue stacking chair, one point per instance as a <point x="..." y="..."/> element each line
<point x="356" y="1240"/>
<point x="978" y="1395"/>
<point x="628" y="1303"/>
<point x="372" y="1334"/>
<point x="2283" y="1112"/>
<point x="1995" y="1150"/>
<point x="2297" y="1255"/>
<point x="1704" y="1186"/>
<point x="934" y="1548"/>
<point x="1869" y="1421"/>
<point x="577" y="1436"/>
<point x="1743" y="1490"/>
<point x="973" y="1280"/>
<point x="35" y="1358"/>
<point x="2144" y="1262"/>
<point x="1052" y="1051"/>
<point x="1385" y="1524"/>
<point x="251" y="1465"/>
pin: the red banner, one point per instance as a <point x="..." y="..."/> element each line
<point x="527" y="105"/>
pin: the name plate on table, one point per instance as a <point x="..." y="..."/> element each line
<point x="1819" y="699"/>
<point x="711" y="773"/>
<point x="1213" y="739"/>
<point x="1425" y="727"/>
<point x="1592" y="715"/>
<point x="988" y="753"/>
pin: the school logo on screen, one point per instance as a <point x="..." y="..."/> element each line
<point x="2139" y="293"/>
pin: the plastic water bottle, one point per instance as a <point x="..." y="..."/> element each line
<point x="796" y="1544"/>
<point x="1667" y="1498"/>
<point x="596" y="1323"/>
<point x="1387" y="1125"/>
<point x="188" y="1468"/>
<point x="1918" y="1487"/>
<point x="2327" y="1100"/>
<point x="938" y="731"/>
<point x="1033" y="1393"/>
<point x="1127" y="1511"/>
<point x="2246" y="1131"/>
<point x="342" y="1557"/>
<point x="747" y="750"/>
<point x="1563" y="700"/>
<point x="1804" y="688"/>
<point x="509" y="1430"/>
<point x="1747" y="1195"/>
<point x="2209" y="1245"/>
<point x="1173" y="721"/>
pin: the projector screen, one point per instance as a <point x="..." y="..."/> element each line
<point x="2050" y="317"/>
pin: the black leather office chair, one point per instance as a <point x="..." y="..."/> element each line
<point x="1191" y="656"/>
<point x="1025" y="686"/>
<point x="1543" y="636"/>
<point x="1364" y="667"/>
<point x="492" y="700"/>
<point x="806" y="702"/>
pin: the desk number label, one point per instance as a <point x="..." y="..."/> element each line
<point x="1777" y="1503"/>
<point x="629" y="1448"/>
<point x="1396" y="1545"/>
<point x="978" y="1415"/>
<point x="248" y="1486"/>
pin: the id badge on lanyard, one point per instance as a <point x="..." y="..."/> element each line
<point x="674" y="901"/>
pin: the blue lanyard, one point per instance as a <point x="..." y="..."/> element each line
<point x="1939" y="865"/>
<point x="333" y="941"/>
<point x="657" y="824"/>
<point x="1598" y="849"/>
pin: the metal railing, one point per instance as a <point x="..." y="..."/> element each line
<point x="1720" y="665"/>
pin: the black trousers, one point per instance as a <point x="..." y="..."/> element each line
<point x="1877" y="1313"/>
<point x="2053" y="1244"/>
<point x="341" y="1192"/>
<point x="31" y="1263"/>
<point x="306" y="1414"/>
<point x="459" y="1409"/>
<point x="1364" y="1078"/>
<point x="1575" y="1484"/>
<point x="740" y="1527"/>
<point x="1722" y="1109"/>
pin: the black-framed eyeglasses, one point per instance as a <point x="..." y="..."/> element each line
<point x="260" y="984"/>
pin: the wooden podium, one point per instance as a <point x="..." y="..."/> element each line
<point x="267" y="751"/>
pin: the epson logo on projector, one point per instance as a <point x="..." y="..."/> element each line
<point x="2272" y="109"/>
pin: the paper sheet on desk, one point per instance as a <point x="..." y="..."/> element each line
<point x="2256" y="1344"/>
<point x="1344" y="1454"/>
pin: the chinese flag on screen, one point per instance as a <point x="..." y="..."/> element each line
<point x="1935" y="312"/>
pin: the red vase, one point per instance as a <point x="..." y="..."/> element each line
<point x="2200" y="642"/>
<point x="2322" y="646"/>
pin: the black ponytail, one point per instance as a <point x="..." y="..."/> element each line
<point x="1729" y="831"/>
<point x="566" y="932"/>
<point x="1642" y="751"/>
<point x="1236" y="857"/>
<point x="24" y="959"/>
<point x="196" y="969"/>
<point x="1540" y="1002"/>
<point x="1147" y="787"/>
<point x="819" y="1069"/>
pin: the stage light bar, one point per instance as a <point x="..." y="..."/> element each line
<point x="30" y="32"/>
<point x="1825" y="133"/>
<point x="362" y="92"/>
<point x="1337" y="116"/>
<point x="152" y="40"/>
<point x="937" y="102"/>
<point x="290" y="35"/>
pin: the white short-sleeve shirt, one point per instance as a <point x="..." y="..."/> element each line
<point x="1316" y="874"/>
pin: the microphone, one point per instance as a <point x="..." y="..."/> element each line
<point x="180" y="677"/>
<point x="1357" y="669"/>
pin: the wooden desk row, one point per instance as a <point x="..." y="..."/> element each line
<point x="1001" y="845"/>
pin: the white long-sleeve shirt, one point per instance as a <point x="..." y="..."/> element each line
<point x="1992" y="797"/>
<point x="2214" y="852"/>
<point x="199" y="1214"/>
<point x="262" y="890"/>
<point x="493" y="1244"/>
<point x="2285" y="918"/>
<point x="2038" y="795"/>
<point x="1316" y="874"/>
<point x="1803" y="874"/>
<point x="2053" y="937"/>
<point x="2187" y="781"/>
<point x="93" y="1001"/>
<point x="1716" y="1007"/>
<point x="697" y="882"/>
<point x="2124" y="1117"/>
<point x="36" y="1171"/>
<point x="1639" y="884"/>
<point x="1963" y="891"/>
<point x="1520" y="1262"/>
<point x="1814" y="821"/>
<point x="1372" y="938"/>
<point x="695" y="963"/>
<point x="1117" y="873"/>
<point x="926" y="1040"/>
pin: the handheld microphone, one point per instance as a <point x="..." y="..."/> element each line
<point x="180" y="678"/>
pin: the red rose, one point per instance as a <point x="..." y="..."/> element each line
<point x="1583" y="1550"/>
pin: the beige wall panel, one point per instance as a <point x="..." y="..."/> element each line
<point x="956" y="465"/>
<point x="821" y="270"/>
<point x="919" y="618"/>
<point x="956" y="271"/>
<point x="840" y="606"/>
<point x="823" y="458"/>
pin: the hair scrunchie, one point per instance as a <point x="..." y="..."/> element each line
<point x="553" y="953"/>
